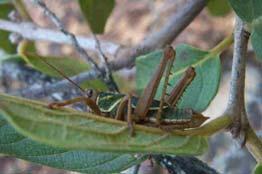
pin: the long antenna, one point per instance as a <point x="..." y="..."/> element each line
<point x="62" y="74"/>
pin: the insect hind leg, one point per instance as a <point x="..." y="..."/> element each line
<point x="164" y="90"/>
<point x="181" y="86"/>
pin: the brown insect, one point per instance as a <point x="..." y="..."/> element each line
<point x="144" y="109"/>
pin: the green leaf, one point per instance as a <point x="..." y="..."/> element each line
<point x="218" y="7"/>
<point x="96" y="13"/>
<point x="256" y="40"/>
<point x="203" y="88"/>
<point x="68" y="66"/>
<point x="4" y="36"/>
<point x="258" y="169"/>
<point x="256" y="37"/>
<point x="251" y="12"/>
<point x="247" y="10"/>
<point x="76" y="130"/>
<point x="14" y="144"/>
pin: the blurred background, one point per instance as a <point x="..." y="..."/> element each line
<point x="130" y="21"/>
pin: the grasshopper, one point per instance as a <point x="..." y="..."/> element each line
<point x="144" y="109"/>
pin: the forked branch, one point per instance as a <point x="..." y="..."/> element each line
<point x="240" y="126"/>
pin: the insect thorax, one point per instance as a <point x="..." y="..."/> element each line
<point x="109" y="102"/>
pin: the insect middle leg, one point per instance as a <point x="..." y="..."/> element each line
<point x="121" y="110"/>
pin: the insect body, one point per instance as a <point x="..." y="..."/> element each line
<point x="145" y="109"/>
<point x="171" y="117"/>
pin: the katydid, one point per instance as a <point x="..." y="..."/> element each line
<point x="144" y="109"/>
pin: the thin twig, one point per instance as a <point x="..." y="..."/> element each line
<point x="71" y="36"/>
<point x="109" y="77"/>
<point x="61" y="86"/>
<point x="126" y="57"/>
<point x="106" y="75"/>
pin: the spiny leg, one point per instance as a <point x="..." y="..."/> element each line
<point x="179" y="89"/>
<point x="89" y="102"/>
<point x="149" y="92"/>
<point x="164" y="90"/>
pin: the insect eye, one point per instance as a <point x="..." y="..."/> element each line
<point x="89" y="93"/>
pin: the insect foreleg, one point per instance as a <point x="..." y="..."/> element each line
<point x="89" y="102"/>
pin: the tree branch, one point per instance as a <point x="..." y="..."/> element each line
<point x="35" y="33"/>
<point x="126" y="56"/>
<point x="61" y="86"/>
<point x="170" y="30"/>
<point x="237" y="87"/>
<point x="236" y="105"/>
<point x="108" y="71"/>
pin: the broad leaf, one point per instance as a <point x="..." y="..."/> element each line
<point x="256" y="40"/>
<point x="14" y="144"/>
<point x="71" y="129"/>
<point x="218" y="7"/>
<point x="96" y="13"/>
<point x="68" y="66"/>
<point x="251" y="12"/>
<point x="4" y="36"/>
<point x="203" y="88"/>
<point x="256" y="36"/>
<point x="247" y="10"/>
